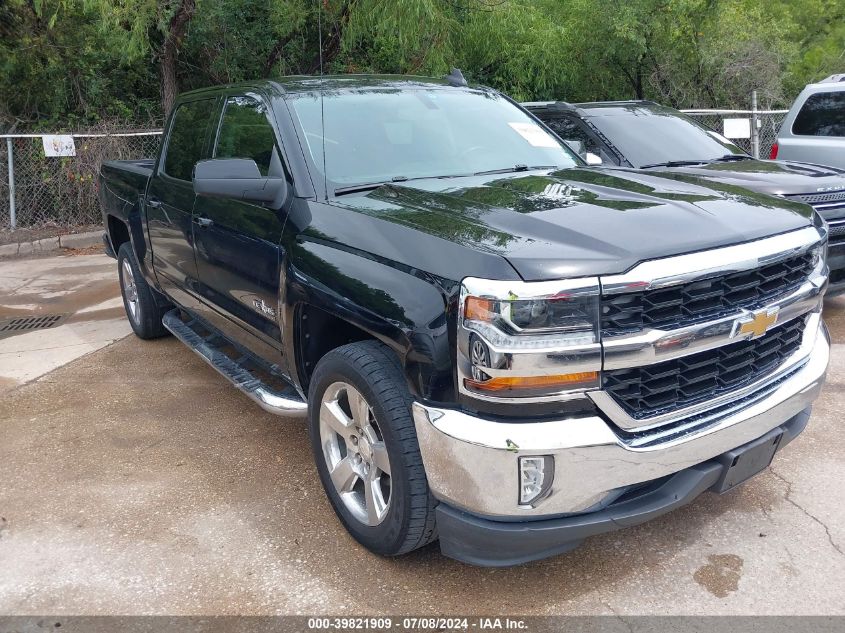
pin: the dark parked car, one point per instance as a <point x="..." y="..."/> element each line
<point x="646" y="135"/>
<point x="492" y="343"/>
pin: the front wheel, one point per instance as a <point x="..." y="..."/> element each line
<point x="141" y="308"/>
<point x="366" y="449"/>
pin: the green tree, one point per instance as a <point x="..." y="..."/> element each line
<point x="71" y="63"/>
<point x="60" y="69"/>
<point x="153" y="29"/>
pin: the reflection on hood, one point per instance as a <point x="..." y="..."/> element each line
<point x="578" y="219"/>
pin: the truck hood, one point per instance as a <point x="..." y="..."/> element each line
<point x="580" y="222"/>
<point x="767" y="176"/>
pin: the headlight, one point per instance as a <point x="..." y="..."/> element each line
<point x="528" y="340"/>
<point x="819" y="255"/>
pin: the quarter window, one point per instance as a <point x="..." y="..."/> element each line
<point x="823" y="114"/>
<point x="186" y="144"/>
<point x="246" y="133"/>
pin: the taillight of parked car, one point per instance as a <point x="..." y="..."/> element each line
<point x="774" y="153"/>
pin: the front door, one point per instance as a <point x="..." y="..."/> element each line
<point x="238" y="243"/>
<point x="170" y="198"/>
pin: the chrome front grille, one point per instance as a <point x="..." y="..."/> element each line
<point x="836" y="231"/>
<point x="704" y="299"/>
<point x="821" y="201"/>
<point x="661" y="388"/>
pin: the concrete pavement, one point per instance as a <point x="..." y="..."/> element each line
<point x="80" y="289"/>
<point x="135" y="480"/>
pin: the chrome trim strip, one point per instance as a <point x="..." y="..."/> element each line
<point x="824" y="206"/>
<point x="654" y="345"/>
<point x="608" y="405"/>
<point x="516" y="290"/>
<point x="670" y="271"/>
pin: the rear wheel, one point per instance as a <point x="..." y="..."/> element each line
<point x="366" y="449"/>
<point x="141" y="308"/>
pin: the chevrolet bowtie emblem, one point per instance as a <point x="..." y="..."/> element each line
<point x="755" y="324"/>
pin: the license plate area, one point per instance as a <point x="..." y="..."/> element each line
<point x="746" y="461"/>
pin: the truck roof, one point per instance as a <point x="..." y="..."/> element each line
<point x="595" y="108"/>
<point x="311" y="83"/>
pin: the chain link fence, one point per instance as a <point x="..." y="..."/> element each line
<point x="58" y="194"/>
<point x="768" y="125"/>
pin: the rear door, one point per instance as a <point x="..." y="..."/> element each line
<point x="237" y="242"/>
<point x="170" y="198"/>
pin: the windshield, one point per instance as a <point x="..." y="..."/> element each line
<point x="379" y="135"/>
<point x="649" y="137"/>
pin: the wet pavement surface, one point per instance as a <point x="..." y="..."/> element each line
<point x="79" y="293"/>
<point x="135" y="480"/>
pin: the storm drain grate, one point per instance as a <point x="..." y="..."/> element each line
<point x="10" y="327"/>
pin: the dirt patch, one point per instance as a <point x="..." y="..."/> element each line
<point x="721" y="575"/>
<point x="28" y="235"/>
<point x="90" y="250"/>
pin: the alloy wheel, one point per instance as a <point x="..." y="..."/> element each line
<point x="130" y="291"/>
<point x="355" y="453"/>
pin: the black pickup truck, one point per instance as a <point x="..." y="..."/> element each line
<point x="493" y="344"/>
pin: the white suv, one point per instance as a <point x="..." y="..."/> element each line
<point x="814" y="129"/>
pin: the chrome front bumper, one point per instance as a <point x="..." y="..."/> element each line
<point x="472" y="463"/>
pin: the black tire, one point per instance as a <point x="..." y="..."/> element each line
<point x="374" y="370"/>
<point x="146" y="319"/>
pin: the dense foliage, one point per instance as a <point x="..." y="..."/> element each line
<point x="77" y="63"/>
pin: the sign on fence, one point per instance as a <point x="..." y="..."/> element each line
<point x="737" y="128"/>
<point x="58" y="145"/>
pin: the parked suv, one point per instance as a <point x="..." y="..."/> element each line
<point x="492" y="344"/>
<point x="814" y="129"/>
<point x="646" y="135"/>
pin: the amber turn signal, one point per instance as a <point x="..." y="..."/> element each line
<point x="477" y="309"/>
<point x="514" y="383"/>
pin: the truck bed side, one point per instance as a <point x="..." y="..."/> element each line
<point x="122" y="187"/>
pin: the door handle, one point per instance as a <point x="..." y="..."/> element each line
<point x="155" y="203"/>
<point x="203" y="222"/>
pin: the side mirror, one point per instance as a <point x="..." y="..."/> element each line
<point x="237" y="178"/>
<point x="593" y="159"/>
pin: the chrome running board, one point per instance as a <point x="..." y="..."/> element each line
<point x="283" y="401"/>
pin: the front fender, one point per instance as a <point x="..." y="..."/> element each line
<point x="405" y="308"/>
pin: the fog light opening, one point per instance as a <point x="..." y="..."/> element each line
<point x="536" y="474"/>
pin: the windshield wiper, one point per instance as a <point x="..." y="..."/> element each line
<point x="515" y="168"/>
<point x="675" y="163"/>
<point x="732" y="157"/>
<point x="369" y="186"/>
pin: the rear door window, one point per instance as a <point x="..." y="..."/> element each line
<point x="245" y="132"/>
<point x="188" y="133"/>
<point x="823" y="114"/>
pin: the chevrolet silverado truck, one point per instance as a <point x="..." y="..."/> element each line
<point x="645" y="135"/>
<point x="493" y="344"/>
